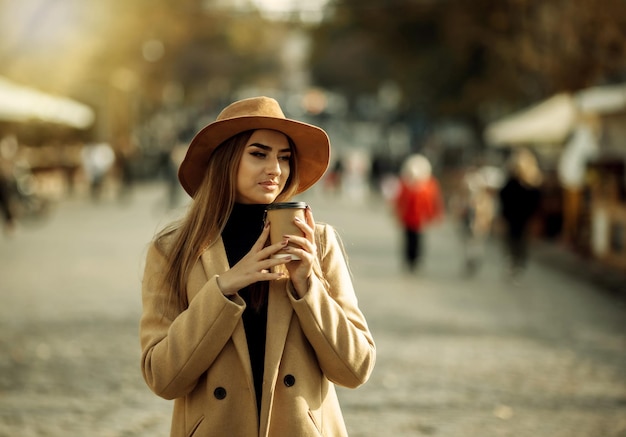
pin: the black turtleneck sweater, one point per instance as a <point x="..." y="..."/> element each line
<point x="243" y="228"/>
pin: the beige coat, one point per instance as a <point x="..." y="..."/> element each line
<point x="200" y="358"/>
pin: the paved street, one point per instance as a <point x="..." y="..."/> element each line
<point x="457" y="357"/>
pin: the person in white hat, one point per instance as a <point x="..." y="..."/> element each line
<point x="249" y="345"/>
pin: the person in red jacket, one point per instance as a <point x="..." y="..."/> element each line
<point x="417" y="204"/>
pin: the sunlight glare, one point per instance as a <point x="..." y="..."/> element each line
<point x="307" y="10"/>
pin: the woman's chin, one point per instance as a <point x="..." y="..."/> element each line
<point x="264" y="199"/>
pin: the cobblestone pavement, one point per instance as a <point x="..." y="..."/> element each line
<point x="457" y="356"/>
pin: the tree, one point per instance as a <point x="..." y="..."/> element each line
<point x="454" y="58"/>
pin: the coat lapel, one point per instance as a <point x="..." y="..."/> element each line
<point x="214" y="261"/>
<point x="279" y="314"/>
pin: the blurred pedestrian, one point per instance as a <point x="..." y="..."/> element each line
<point x="355" y="175"/>
<point x="475" y="208"/>
<point x="98" y="158"/>
<point x="519" y="201"/>
<point x="334" y="177"/>
<point x="418" y="203"/>
<point x="174" y="159"/>
<point x="8" y="150"/>
<point x="126" y="152"/>
<point x="246" y="344"/>
<point x="582" y="146"/>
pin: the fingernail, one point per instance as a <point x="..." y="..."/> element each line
<point x="298" y="219"/>
<point x="267" y="225"/>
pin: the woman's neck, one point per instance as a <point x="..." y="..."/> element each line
<point x="242" y="229"/>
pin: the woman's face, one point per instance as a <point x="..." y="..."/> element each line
<point x="264" y="167"/>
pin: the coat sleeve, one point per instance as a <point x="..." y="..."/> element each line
<point x="178" y="347"/>
<point x="331" y="319"/>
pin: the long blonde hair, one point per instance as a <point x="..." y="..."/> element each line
<point x="208" y="213"/>
<point x="523" y="165"/>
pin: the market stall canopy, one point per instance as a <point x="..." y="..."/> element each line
<point x="21" y="104"/>
<point x="547" y="122"/>
<point x="602" y="99"/>
<point x="554" y="119"/>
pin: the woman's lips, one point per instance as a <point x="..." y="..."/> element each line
<point x="269" y="185"/>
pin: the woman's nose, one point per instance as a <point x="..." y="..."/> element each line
<point x="273" y="166"/>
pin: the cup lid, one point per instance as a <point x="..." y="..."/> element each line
<point x="286" y="205"/>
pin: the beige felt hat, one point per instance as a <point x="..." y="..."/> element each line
<point x="312" y="143"/>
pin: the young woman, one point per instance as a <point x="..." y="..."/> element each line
<point x="247" y="344"/>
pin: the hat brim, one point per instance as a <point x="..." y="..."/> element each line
<point x="312" y="148"/>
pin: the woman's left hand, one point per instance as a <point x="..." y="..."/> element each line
<point x="300" y="270"/>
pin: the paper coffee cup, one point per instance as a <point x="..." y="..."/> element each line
<point x="281" y="216"/>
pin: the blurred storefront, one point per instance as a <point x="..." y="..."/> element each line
<point x="43" y="134"/>
<point x="580" y="139"/>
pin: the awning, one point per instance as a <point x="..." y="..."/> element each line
<point x="21" y="104"/>
<point x="602" y="99"/>
<point x="549" y="122"/>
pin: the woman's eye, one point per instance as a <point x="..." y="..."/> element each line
<point x="284" y="158"/>
<point x="258" y="154"/>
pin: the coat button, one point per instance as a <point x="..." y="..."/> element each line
<point x="219" y="393"/>
<point x="289" y="380"/>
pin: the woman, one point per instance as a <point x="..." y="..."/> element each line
<point x="246" y="344"/>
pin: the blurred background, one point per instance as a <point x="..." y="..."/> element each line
<point x="461" y="82"/>
<point x="99" y="100"/>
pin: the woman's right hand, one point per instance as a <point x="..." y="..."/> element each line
<point x="255" y="266"/>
